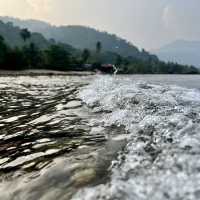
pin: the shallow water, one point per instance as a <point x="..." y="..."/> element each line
<point x="100" y="137"/>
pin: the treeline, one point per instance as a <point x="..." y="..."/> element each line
<point x="57" y="57"/>
<point x="152" y="66"/>
<point x="80" y="37"/>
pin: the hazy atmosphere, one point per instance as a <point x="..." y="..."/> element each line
<point x="99" y="100"/>
<point x="148" y="24"/>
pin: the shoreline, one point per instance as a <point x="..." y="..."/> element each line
<point x="44" y="73"/>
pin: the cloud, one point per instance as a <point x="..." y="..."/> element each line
<point x="166" y="16"/>
<point x="14" y="8"/>
<point x="182" y="16"/>
<point x="146" y="23"/>
<point x="40" y="5"/>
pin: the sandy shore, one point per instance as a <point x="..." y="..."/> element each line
<point x="43" y="73"/>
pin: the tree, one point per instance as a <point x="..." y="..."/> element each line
<point x="85" y="55"/>
<point x="3" y="52"/>
<point x="57" y="58"/>
<point x="119" y="60"/>
<point x="25" y="34"/>
<point x="32" y="55"/>
<point x="98" y="47"/>
<point x="15" y="59"/>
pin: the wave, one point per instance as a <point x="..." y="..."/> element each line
<point x="162" y="157"/>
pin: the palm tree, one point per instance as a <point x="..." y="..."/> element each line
<point x="119" y="60"/>
<point x="25" y="34"/>
<point x="98" y="47"/>
<point x="3" y="51"/>
<point x="85" y="55"/>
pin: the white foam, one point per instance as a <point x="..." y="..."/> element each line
<point x="162" y="157"/>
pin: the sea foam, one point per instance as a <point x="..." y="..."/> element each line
<point x="162" y="157"/>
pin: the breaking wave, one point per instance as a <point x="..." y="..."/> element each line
<point x="162" y="157"/>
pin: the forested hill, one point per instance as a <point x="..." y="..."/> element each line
<point x="82" y="37"/>
<point x="11" y="34"/>
<point x="22" y="49"/>
<point x="12" y="37"/>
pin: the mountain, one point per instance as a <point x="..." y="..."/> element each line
<point x="12" y="37"/>
<point x="181" y="51"/>
<point x="82" y="37"/>
<point x="60" y="56"/>
<point x="11" y="34"/>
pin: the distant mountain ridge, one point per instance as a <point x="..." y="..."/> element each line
<point x="11" y="34"/>
<point x="180" y="51"/>
<point x="82" y="37"/>
<point x="12" y="37"/>
<point x="38" y="52"/>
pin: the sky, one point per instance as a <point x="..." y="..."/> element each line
<point x="148" y="24"/>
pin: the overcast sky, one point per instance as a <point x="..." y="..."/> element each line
<point x="146" y="23"/>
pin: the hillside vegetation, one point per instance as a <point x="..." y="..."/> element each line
<point x="82" y="37"/>
<point x="22" y="49"/>
<point x="11" y="34"/>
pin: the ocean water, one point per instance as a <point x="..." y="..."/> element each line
<point x="100" y="138"/>
<point x="162" y="157"/>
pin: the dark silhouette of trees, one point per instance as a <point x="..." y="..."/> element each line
<point x="118" y="61"/>
<point x="3" y="51"/>
<point x="33" y="56"/>
<point x="85" y="55"/>
<point x="25" y="34"/>
<point x="98" y="60"/>
<point x="57" y="58"/>
<point x="98" y="47"/>
<point x="15" y="60"/>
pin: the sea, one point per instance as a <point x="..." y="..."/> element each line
<point x="100" y="137"/>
